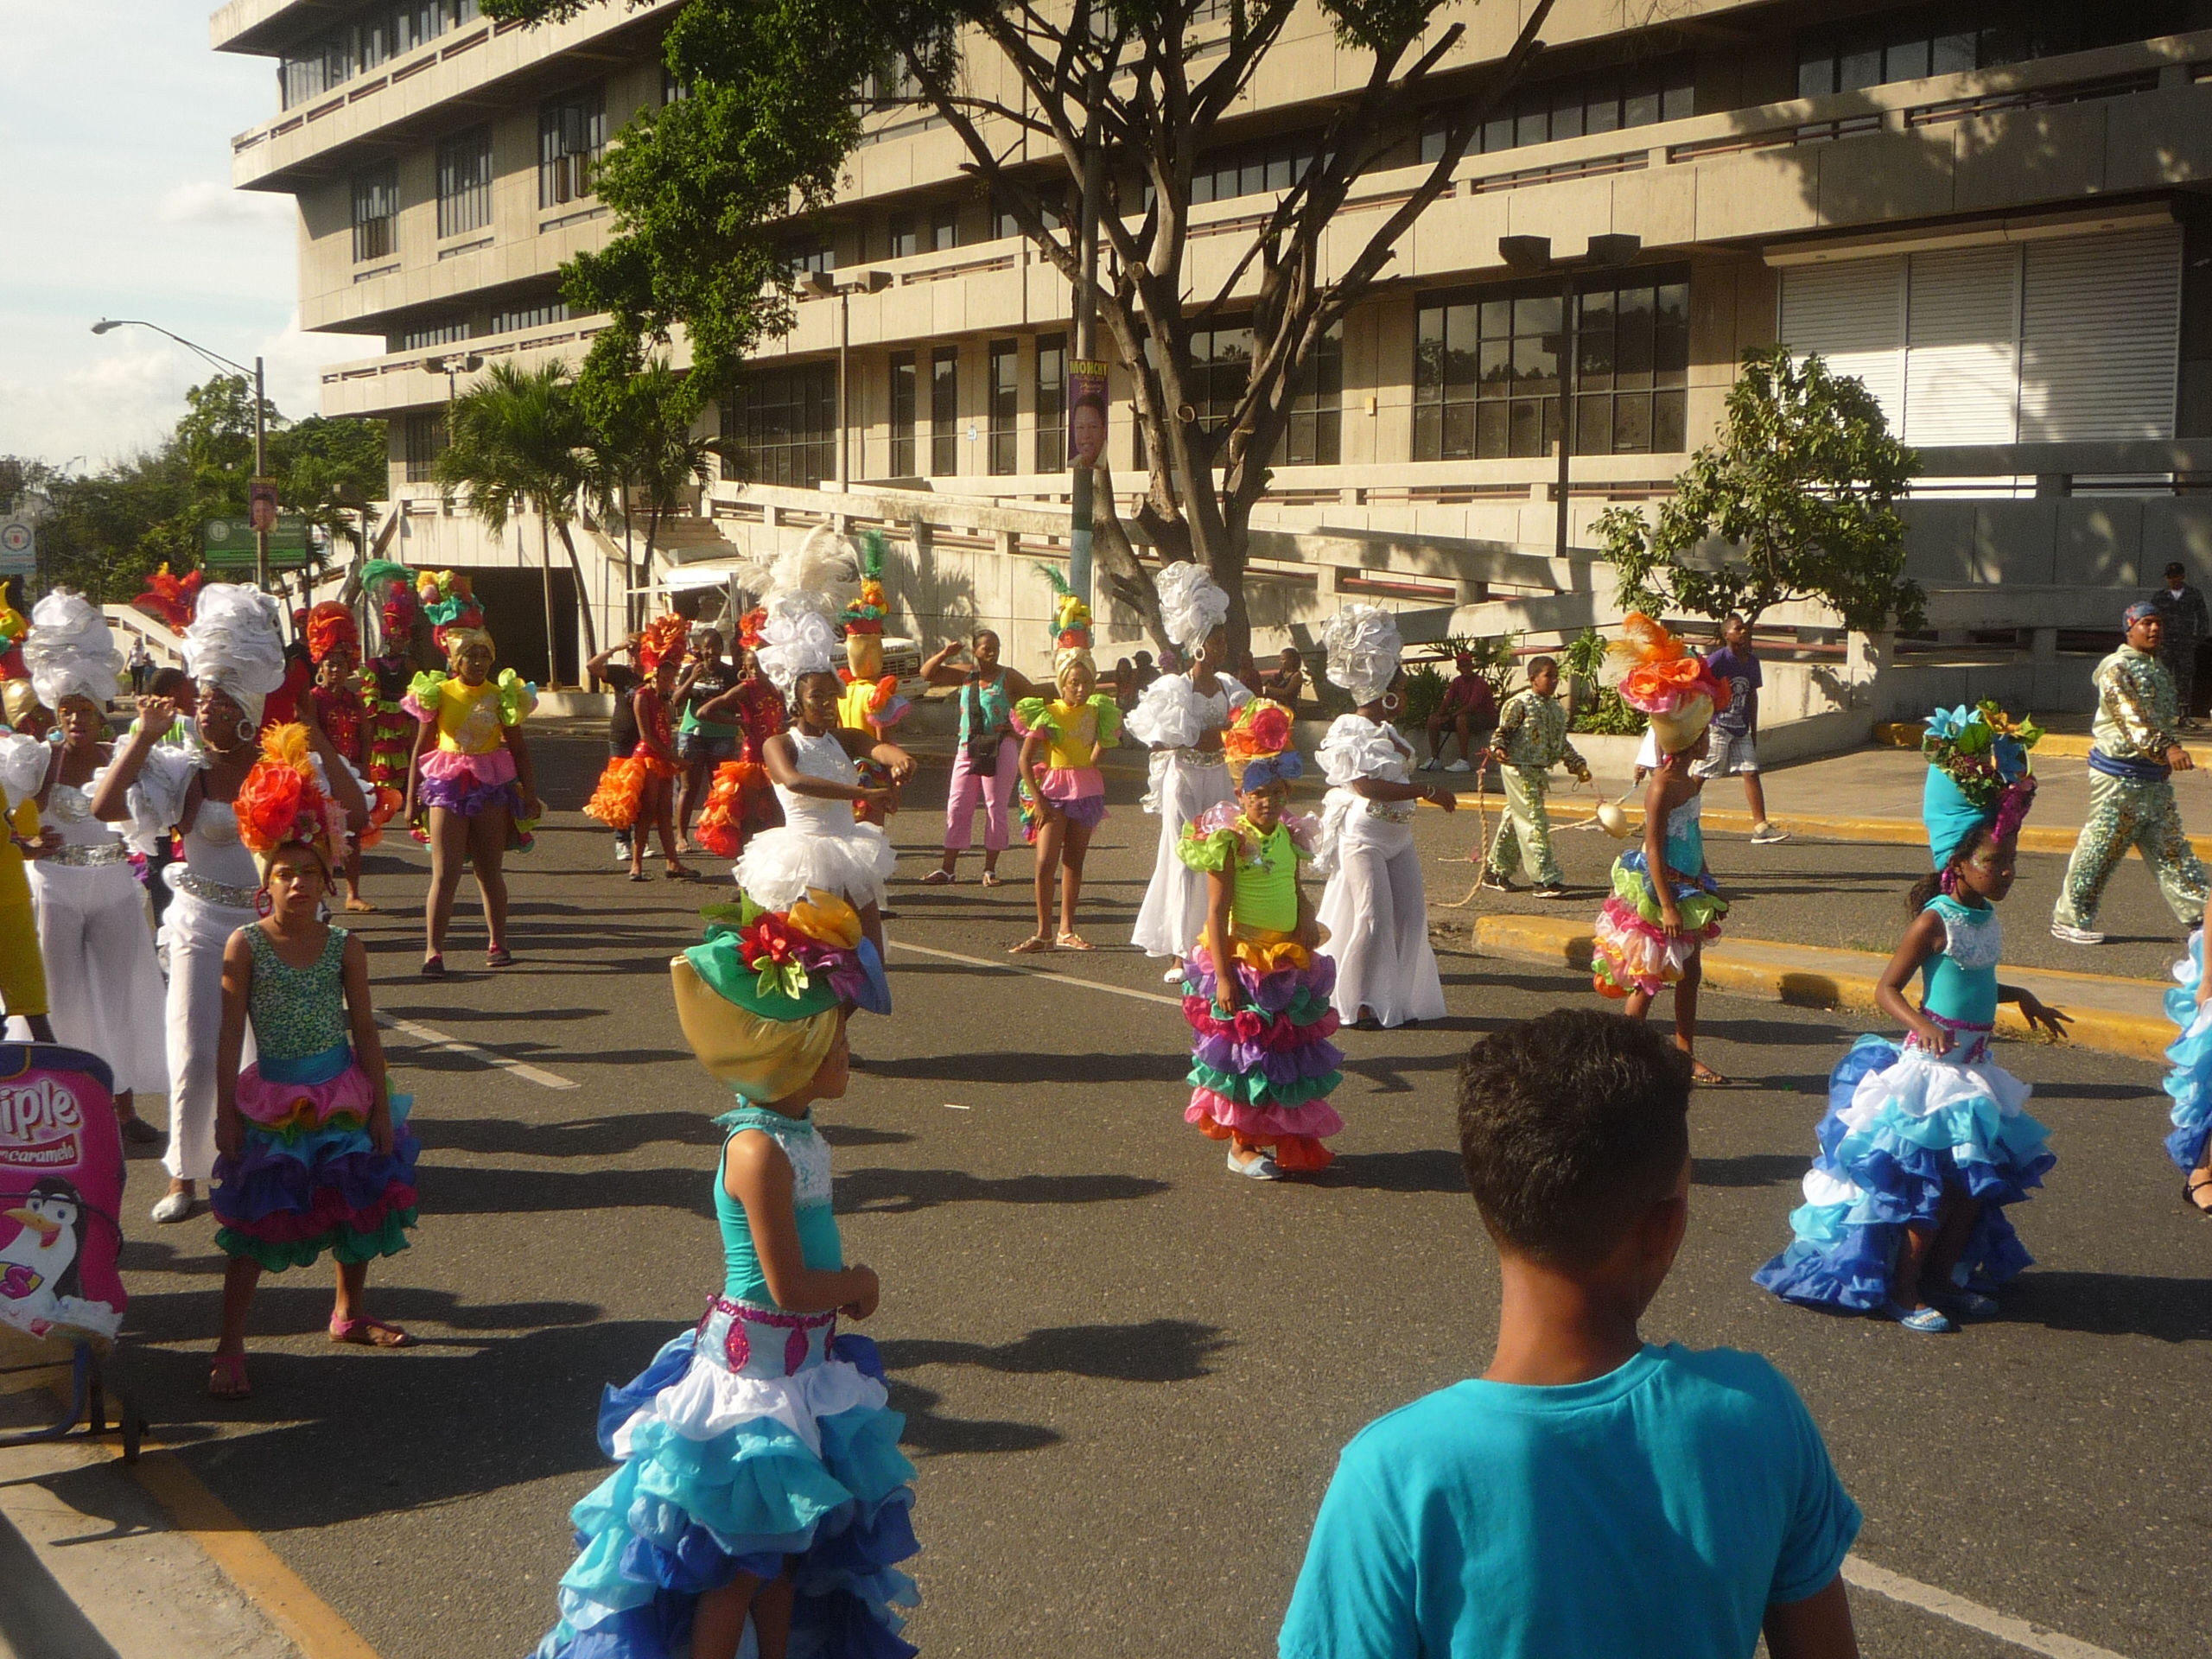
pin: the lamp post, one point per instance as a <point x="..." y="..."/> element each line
<point x="1534" y="254"/>
<point x="825" y="283"/>
<point x="260" y="434"/>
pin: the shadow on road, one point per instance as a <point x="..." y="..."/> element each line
<point x="902" y="1192"/>
<point x="2113" y="1304"/>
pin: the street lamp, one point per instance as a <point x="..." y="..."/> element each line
<point x="1532" y="254"/>
<point x="449" y="367"/>
<point x="824" y="283"/>
<point x="260" y="434"/>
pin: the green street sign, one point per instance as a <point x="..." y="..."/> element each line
<point x="228" y="543"/>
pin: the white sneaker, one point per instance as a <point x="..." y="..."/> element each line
<point x="1432" y="764"/>
<point x="174" y="1206"/>
<point x="2075" y="935"/>
<point x="621" y="851"/>
<point x="1766" y="834"/>
<point x="1458" y="766"/>
<point x="1255" y="1165"/>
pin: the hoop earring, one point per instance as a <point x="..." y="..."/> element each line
<point x="1392" y="702"/>
<point x="263" y="904"/>
<point x="246" y="730"/>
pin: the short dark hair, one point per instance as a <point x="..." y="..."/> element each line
<point x="1538" y="665"/>
<point x="2177" y="568"/>
<point x="1570" y="1125"/>
<point x="167" y="682"/>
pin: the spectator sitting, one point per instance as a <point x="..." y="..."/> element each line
<point x="1146" y="672"/>
<point x="1285" y="681"/>
<point x="1125" y="685"/>
<point x="1590" y="1493"/>
<point x="1247" y="671"/>
<point x="1471" y="710"/>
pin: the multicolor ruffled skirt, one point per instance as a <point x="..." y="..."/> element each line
<point x="1078" y="791"/>
<point x="622" y="785"/>
<point x="308" y="1180"/>
<point x="471" y="785"/>
<point x="388" y="739"/>
<point x="760" y="1443"/>
<point x="2190" y="1083"/>
<point x="1261" y="1076"/>
<point x="1904" y="1130"/>
<point x="1630" y="950"/>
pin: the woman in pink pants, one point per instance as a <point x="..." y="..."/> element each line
<point x="986" y="763"/>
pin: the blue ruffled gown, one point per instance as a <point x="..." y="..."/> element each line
<point x="758" y="1440"/>
<point x="2190" y="1082"/>
<point x="1904" y="1127"/>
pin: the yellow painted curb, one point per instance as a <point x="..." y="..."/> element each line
<point x="1817" y="980"/>
<point x="316" y="1628"/>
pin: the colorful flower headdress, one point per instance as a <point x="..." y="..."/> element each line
<point x="1259" y="743"/>
<point x="665" y="635"/>
<point x="1669" y="682"/>
<point x="391" y="586"/>
<point x="331" y="627"/>
<point x="169" y="599"/>
<point x="1070" y="623"/>
<point x="450" y="602"/>
<point x="1978" y="773"/>
<point x="868" y="613"/>
<point x="749" y="626"/>
<point x="282" y="803"/>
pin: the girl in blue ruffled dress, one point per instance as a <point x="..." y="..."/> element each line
<point x="1923" y="1147"/>
<point x="2190" y="1082"/>
<point x="761" y="1482"/>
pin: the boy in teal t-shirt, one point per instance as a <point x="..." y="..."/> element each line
<point x="1591" y="1493"/>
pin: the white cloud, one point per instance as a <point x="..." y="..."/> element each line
<point x="199" y="201"/>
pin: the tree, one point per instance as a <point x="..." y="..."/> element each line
<point x="704" y="189"/>
<point x="639" y="417"/>
<point x="1795" y="500"/>
<point x="519" y="441"/>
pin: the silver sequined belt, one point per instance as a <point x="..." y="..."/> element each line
<point x="215" y="893"/>
<point x="1202" y="757"/>
<point x="1390" y="811"/>
<point x="91" y="857"/>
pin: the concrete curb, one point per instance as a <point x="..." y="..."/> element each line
<point x="2104" y="1007"/>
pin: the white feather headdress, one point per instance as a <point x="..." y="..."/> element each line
<point x="1363" y="649"/>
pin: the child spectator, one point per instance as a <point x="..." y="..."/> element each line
<point x="1531" y="739"/>
<point x="1469" y="709"/>
<point x="1736" y="728"/>
<point x="1285" y="681"/>
<point x="1590" y="1493"/>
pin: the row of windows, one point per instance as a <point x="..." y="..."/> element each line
<point x="787" y="421"/>
<point x="571" y="137"/>
<point x="1946" y="39"/>
<point x="426" y="440"/>
<point x="336" y="55"/>
<point x="1634" y="95"/>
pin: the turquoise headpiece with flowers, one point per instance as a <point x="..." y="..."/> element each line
<point x="1978" y="773"/>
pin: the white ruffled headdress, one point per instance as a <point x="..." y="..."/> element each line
<point x="1191" y="606"/>
<point x="70" y="652"/>
<point x="233" y="645"/>
<point x="1364" y="648"/>
<point x="804" y="595"/>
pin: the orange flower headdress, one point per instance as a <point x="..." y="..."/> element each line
<point x="169" y="598"/>
<point x="1669" y="683"/>
<point x="331" y="627"/>
<point x="664" y="636"/>
<point x="749" y="627"/>
<point x="281" y="803"/>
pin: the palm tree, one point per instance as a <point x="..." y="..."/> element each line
<point x="640" y="417"/>
<point x="519" y="442"/>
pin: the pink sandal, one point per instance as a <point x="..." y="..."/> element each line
<point x="370" y="1333"/>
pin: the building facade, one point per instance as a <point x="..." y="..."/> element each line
<point x="1993" y="211"/>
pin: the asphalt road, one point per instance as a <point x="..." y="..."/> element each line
<point x="1126" y="1373"/>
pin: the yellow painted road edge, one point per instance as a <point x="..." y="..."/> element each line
<point x="1536" y="939"/>
<point x="279" y="1594"/>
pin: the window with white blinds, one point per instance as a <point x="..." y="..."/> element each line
<point x="2075" y="339"/>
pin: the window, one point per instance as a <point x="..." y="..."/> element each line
<point x="376" y="214"/>
<point x="1949" y="40"/>
<point x="903" y="402"/>
<point x="785" y="422"/>
<point x="425" y="438"/>
<point x="672" y="90"/>
<point x="1635" y="95"/>
<point x="1221" y="367"/>
<point x="1005" y="411"/>
<point x="529" y="316"/>
<point x="1316" y="433"/>
<point x="905" y="241"/>
<point x="436" y="333"/>
<point x="803" y="256"/>
<point x="338" y="54"/>
<point x="1004" y="223"/>
<point x="944" y="412"/>
<point x="465" y="183"/>
<point x="944" y="226"/>
<point x="1052" y="402"/>
<point x="1486" y="370"/>
<point x="901" y="86"/>
<point x="1248" y="169"/>
<point x="571" y="136"/>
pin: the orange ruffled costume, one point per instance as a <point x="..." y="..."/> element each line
<point x="622" y="785"/>
<point x="719" y="827"/>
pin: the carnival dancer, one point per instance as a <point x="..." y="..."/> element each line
<point x="1375" y="907"/>
<point x="2134" y="750"/>
<point x="637" y="791"/>
<point x="335" y="648"/>
<point x="1063" y="793"/>
<point x="237" y="659"/>
<point x="760" y="1479"/>
<point x="315" y="1153"/>
<point x="822" y="844"/>
<point x="1181" y="716"/>
<point x="1922" y="1149"/>
<point x="388" y="732"/>
<point x="471" y="767"/>
<point x="1257" y="993"/>
<point x="870" y="704"/>
<point x="702" y="743"/>
<point x="1531" y="739"/>
<point x="1652" y="933"/>
<point x="741" y="801"/>
<point x="2190" y="1082"/>
<point x="102" y="978"/>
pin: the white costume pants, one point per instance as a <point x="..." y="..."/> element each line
<point x="195" y="932"/>
<point x="1174" y="913"/>
<point x="1376" y="913"/>
<point x="103" y="982"/>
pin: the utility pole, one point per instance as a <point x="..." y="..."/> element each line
<point x="260" y="471"/>
<point x="1081" y="510"/>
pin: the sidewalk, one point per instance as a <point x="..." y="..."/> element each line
<point x="2109" y="1013"/>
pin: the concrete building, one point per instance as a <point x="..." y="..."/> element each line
<point x="1994" y="212"/>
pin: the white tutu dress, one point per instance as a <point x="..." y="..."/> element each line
<point x="1375" y="907"/>
<point x="1186" y="780"/>
<point x="821" y="844"/>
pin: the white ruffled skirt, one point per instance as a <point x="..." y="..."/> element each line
<point x="779" y="866"/>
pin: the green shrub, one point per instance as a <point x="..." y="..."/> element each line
<point x="1608" y="716"/>
<point x="1424" y="694"/>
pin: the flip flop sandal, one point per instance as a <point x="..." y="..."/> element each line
<point x="640" y="876"/>
<point x="1927" y="1321"/>
<point x="2199" y="1180"/>
<point x="992" y="879"/>
<point x="226" y="1377"/>
<point x="939" y="878"/>
<point x="1035" y="945"/>
<point x="360" y="907"/>
<point x="1076" y="942"/>
<point x="139" y="1133"/>
<point x="369" y="1333"/>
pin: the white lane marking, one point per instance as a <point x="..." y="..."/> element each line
<point x="1864" y="1575"/>
<point x="430" y="1037"/>
<point x="1038" y="973"/>
<point x="954" y="1106"/>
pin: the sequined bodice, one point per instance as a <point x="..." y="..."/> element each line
<point x="69" y="809"/>
<point x="297" y="1012"/>
<point x="823" y="757"/>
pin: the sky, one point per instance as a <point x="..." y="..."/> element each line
<point x="116" y="119"/>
